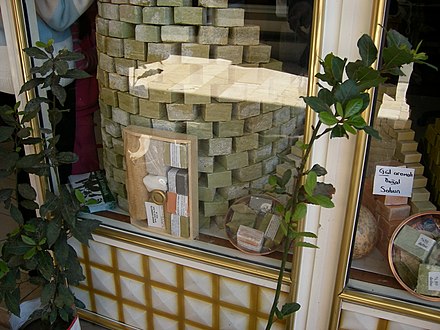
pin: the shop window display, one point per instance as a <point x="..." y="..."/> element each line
<point x="408" y="120"/>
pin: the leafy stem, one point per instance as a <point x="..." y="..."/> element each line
<point x="339" y="104"/>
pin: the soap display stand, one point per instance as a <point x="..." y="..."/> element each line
<point x="162" y="181"/>
<point x="414" y="255"/>
<point x="253" y="222"/>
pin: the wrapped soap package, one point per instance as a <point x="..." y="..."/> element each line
<point x="162" y="181"/>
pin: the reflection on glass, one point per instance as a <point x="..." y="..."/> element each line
<point x="229" y="73"/>
<point x="409" y="125"/>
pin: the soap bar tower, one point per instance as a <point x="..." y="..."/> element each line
<point x="238" y="140"/>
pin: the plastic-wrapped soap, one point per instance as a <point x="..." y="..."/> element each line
<point x="155" y="182"/>
<point x="250" y="238"/>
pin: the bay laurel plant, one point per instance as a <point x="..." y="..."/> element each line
<point x="38" y="250"/>
<point x="342" y="98"/>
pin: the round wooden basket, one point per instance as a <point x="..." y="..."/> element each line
<point x="403" y="264"/>
<point x="232" y="236"/>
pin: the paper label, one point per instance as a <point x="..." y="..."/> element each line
<point x="434" y="281"/>
<point x="182" y="205"/>
<point x="175" y="155"/>
<point x="272" y="227"/>
<point x="155" y="215"/>
<point x="425" y="242"/>
<point x="175" y="225"/>
<point x="393" y="181"/>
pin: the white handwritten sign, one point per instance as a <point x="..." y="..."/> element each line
<point x="393" y="181"/>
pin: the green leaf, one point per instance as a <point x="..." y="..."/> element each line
<point x="30" y="253"/>
<point x="338" y="65"/>
<point x="67" y="157"/>
<point x="50" y="204"/>
<point x="30" y="160"/>
<point x="319" y="170"/>
<point x="60" y="93"/>
<point x="278" y="314"/>
<point x="353" y="107"/>
<point x="36" y="53"/>
<point x="346" y="91"/>
<point x="357" y="121"/>
<point x="7" y="114"/>
<point x="32" y="140"/>
<point x="76" y="74"/>
<point x="367" y="50"/>
<point x="82" y="199"/>
<point x="52" y="233"/>
<point x="305" y="234"/>
<point x="6" y="194"/>
<point x="16" y="215"/>
<point x="12" y="301"/>
<point x="307" y="245"/>
<point x="328" y="118"/>
<point x="300" y="212"/>
<point x="349" y="129"/>
<point x="321" y="200"/>
<point x="79" y="304"/>
<point x="26" y="191"/>
<point x="29" y="204"/>
<point x="24" y="132"/>
<point x="310" y="184"/>
<point x="67" y="55"/>
<point x="61" y="249"/>
<point x="339" y="109"/>
<point x="61" y="67"/>
<point x="17" y="248"/>
<point x="31" y="84"/>
<point x="316" y="104"/>
<point x="396" y="57"/>
<point x="372" y="132"/>
<point x="394" y="38"/>
<point x="45" y="264"/>
<point x="6" y="133"/>
<point x="352" y="68"/>
<point x="326" y="96"/>
<point x="328" y="72"/>
<point x="368" y="77"/>
<point x="290" y="308"/>
<point x="47" y="293"/>
<point x="3" y="269"/>
<point x="74" y="271"/>
<point x="83" y="230"/>
<point x="338" y="131"/>
<point x="28" y="240"/>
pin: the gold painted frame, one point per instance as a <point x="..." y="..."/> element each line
<point x="341" y="292"/>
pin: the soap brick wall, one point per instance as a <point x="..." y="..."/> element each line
<point x="238" y="140"/>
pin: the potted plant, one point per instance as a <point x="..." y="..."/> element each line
<point x="38" y="250"/>
<point x="342" y="98"/>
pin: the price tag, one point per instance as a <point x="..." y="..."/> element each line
<point x="393" y="181"/>
<point x="434" y="281"/>
<point x="425" y="242"/>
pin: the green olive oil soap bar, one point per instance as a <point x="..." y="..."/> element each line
<point x="428" y="282"/>
<point x="414" y="242"/>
